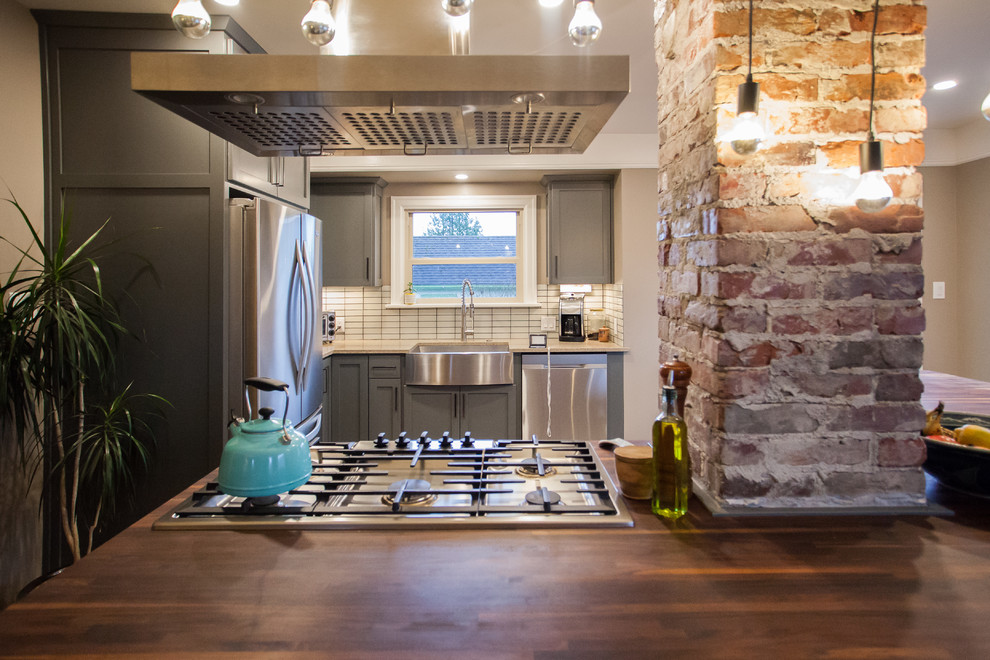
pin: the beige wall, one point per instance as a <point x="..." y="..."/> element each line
<point x="636" y="269"/>
<point x="21" y="174"/>
<point x="956" y="245"/>
<point x="940" y="261"/>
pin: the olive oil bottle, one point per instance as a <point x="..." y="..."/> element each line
<point x="671" y="468"/>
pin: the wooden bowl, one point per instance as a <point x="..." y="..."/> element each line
<point x="634" y="467"/>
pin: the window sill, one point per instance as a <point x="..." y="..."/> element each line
<point x="458" y="306"/>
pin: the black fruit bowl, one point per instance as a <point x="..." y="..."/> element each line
<point x="958" y="466"/>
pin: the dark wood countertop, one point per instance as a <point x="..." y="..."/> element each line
<point x="703" y="587"/>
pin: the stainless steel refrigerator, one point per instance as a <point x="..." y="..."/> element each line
<point x="274" y="305"/>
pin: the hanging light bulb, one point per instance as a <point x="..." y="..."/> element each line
<point x="585" y="27"/>
<point x="873" y="193"/>
<point x="318" y="25"/>
<point x="747" y="132"/>
<point x="456" y="7"/>
<point x="985" y="108"/>
<point x="190" y="18"/>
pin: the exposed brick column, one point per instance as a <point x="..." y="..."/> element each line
<point x="798" y="312"/>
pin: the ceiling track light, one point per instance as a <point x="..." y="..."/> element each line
<point x="873" y="193"/>
<point x="318" y="26"/>
<point x="191" y="19"/>
<point x="747" y="132"/>
<point x="585" y="27"/>
<point x="456" y="8"/>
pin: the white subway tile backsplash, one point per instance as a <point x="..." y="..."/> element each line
<point x="368" y="315"/>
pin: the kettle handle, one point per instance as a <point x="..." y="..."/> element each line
<point x="269" y="385"/>
<point x="266" y="384"/>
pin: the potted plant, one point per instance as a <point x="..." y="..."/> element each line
<point x="409" y="295"/>
<point x="58" y="340"/>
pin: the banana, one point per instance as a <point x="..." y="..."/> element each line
<point x="933" y="422"/>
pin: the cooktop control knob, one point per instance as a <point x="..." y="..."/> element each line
<point x="424" y="438"/>
<point x="401" y="441"/>
<point x="467" y="441"/>
<point x="381" y="440"/>
<point x="445" y="440"/>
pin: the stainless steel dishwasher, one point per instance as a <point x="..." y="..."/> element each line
<point x="578" y="406"/>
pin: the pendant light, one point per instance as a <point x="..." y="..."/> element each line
<point x="585" y="27"/>
<point x="873" y="193"/>
<point x="190" y="18"/>
<point x="228" y="3"/>
<point x="456" y="7"/>
<point x="747" y="132"/>
<point x="318" y="25"/>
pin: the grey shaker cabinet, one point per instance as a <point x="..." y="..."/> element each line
<point x="365" y="396"/>
<point x="283" y="178"/>
<point x="579" y="229"/>
<point x="351" y="210"/>
<point x="488" y="412"/>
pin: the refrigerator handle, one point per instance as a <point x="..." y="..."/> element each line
<point x="297" y="267"/>
<point x="310" y="323"/>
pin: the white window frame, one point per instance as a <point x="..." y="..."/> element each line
<point x="402" y="209"/>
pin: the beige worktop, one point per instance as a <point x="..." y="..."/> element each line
<point x="521" y="345"/>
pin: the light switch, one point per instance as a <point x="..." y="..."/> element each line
<point x="548" y="323"/>
<point x="938" y="290"/>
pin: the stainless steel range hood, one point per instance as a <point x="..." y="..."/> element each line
<point x="291" y="105"/>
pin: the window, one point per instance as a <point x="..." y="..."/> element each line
<point x="438" y="242"/>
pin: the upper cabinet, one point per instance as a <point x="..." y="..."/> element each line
<point x="286" y="179"/>
<point x="351" y="210"/>
<point x="579" y="229"/>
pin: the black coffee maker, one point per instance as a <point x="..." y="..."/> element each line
<point x="572" y="317"/>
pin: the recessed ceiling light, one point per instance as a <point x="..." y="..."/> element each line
<point x="943" y="85"/>
<point x="461" y="177"/>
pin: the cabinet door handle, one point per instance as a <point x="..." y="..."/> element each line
<point x="396" y="390"/>
<point x="455" y="405"/>
<point x="556" y="269"/>
<point x="367" y="268"/>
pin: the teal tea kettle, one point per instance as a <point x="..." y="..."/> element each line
<point x="264" y="457"/>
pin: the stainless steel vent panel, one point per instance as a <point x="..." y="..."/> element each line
<point x="278" y="128"/>
<point x="377" y="128"/>
<point x="555" y="127"/>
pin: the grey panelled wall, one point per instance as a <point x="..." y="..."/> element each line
<point x="161" y="183"/>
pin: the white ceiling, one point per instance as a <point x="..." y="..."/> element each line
<point x="955" y="46"/>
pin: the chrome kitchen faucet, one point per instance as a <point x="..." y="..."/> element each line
<point x="465" y="309"/>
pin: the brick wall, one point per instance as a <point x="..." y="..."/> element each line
<point x="799" y="313"/>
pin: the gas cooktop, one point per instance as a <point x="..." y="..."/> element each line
<point x="426" y="482"/>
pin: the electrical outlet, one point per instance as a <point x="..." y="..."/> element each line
<point x="548" y="323"/>
<point x="340" y="324"/>
<point x="938" y="290"/>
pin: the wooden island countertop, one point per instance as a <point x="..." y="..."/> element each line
<point x="703" y="587"/>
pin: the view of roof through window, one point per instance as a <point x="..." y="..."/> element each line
<point x="451" y="246"/>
